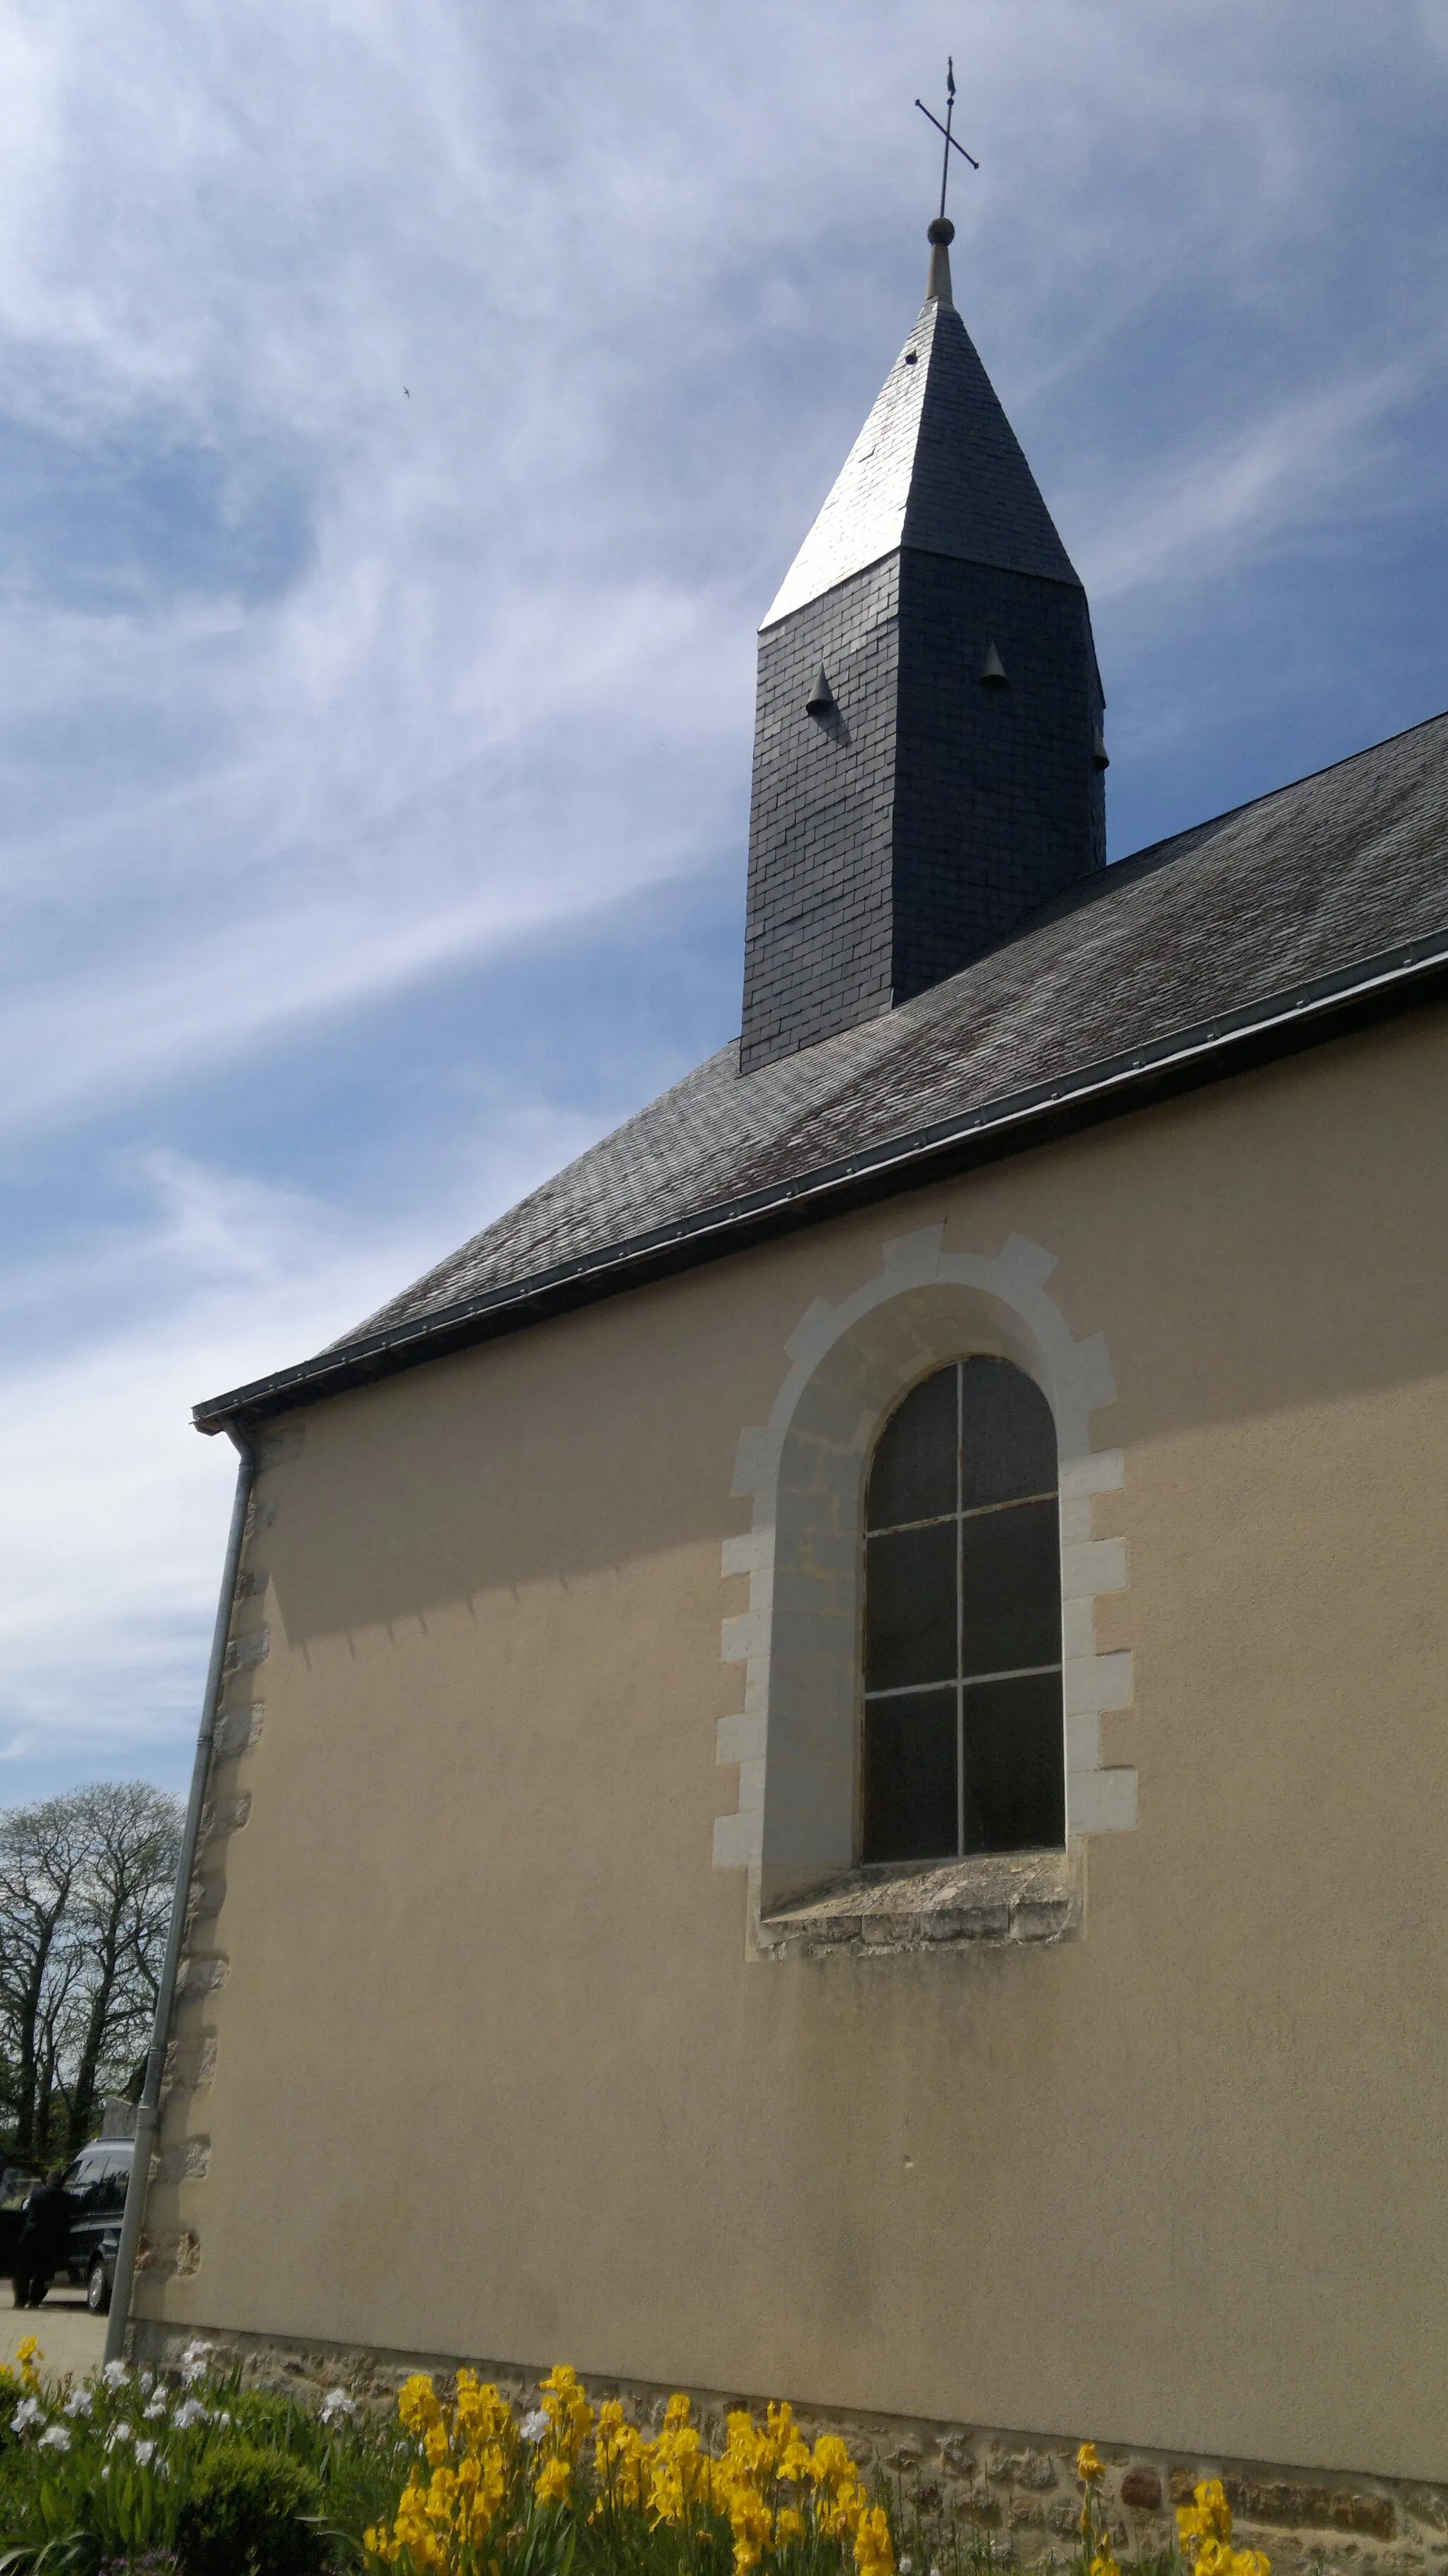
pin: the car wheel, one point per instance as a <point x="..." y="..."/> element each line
<point x="97" y="2289"/>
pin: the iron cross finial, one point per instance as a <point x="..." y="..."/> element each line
<point x="950" y="142"/>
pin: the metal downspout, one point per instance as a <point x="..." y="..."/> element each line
<point x="148" y="2109"/>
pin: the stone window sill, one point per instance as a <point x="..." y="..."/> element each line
<point x="990" y="1901"/>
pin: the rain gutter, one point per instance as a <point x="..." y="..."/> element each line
<point x="148" y="2109"/>
<point x="1302" y="1015"/>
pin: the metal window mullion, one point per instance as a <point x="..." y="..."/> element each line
<point x="917" y="1690"/>
<point x="1009" y="1673"/>
<point x="974" y="1512"/>
<point x="1012" y="1502"/>
<point x="968" y="1681"/>
<point x="894" y="1529"/>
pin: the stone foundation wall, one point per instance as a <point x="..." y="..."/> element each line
<point x="1019" y="2487"/>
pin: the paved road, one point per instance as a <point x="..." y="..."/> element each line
<point x="70" y="2338"/>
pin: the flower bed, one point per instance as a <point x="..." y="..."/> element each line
<point x="189" y="2473"/>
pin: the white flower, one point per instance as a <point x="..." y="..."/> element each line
<point x="905" y="2566"/>
<point x="119" y="2433"/>
<point x="78" y="2402"/>
<point x="196" y="2361"/>
<point x="336" y="2403"/>
<point x="115" y="2374"/>
<point x="29" y="2411"/>
<point x="144" y="2451"/>
<point x="534" y="2426"/>
<point x="224" y="2417"/>
<point x="189" y="2412"/>
<point x="56" y="2437"/>
<point x="157" y="2406"/>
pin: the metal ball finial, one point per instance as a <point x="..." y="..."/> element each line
<point x="941" y="230"/>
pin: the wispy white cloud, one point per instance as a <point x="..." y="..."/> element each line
<point x="112" y="1508"/>
<point x="407" y="412"/>
<point x="1242" y="496"/>
<point x="350" y="884"/>
<point x="502" y="596"/>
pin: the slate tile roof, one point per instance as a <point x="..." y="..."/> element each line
<point x="1304" y="883"/>
<point x="936" y="466"/>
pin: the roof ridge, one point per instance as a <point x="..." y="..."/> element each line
<point x="1229" y="813"/>
<point x="611" y="1136"/>
<point x="1120" y="873"/>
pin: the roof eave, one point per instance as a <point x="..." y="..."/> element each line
<point x="1303" y="1015"/>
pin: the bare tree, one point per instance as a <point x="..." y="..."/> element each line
<point x="120" y="1905"/>
<point x="85" y="1895"/>
<point x="37" y="1871"/>
<point x="54" y="2041"/>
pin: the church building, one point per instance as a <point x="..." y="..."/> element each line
<point x="829" y="1776"/>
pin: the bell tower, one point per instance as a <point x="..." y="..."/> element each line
<point x="928" y="752"/>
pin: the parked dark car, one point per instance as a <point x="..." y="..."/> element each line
<point x="97" y="2183"/>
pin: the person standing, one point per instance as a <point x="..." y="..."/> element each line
<point x="44" y="2239"/>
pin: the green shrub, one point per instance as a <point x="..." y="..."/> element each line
<point x="249" y="2512"/>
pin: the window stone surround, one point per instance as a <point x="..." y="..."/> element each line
<point x="795" y="1740"/>
<point x="989" y="1897"/>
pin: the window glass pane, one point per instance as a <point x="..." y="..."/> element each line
<point x="1008" y="1436"/>
<point x="910" y="1607"/>
<point x="909" y="1782"/>
<point x="913" y="1475"/>
<point x="1015" y="1765"/>
<point x="1010" y="1588"/>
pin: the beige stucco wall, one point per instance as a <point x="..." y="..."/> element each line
<point x="493" y="2073"/>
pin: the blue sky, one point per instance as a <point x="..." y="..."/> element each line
<point x="409" y="409"/>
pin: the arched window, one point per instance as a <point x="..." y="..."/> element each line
<point x="963" y="1738"/>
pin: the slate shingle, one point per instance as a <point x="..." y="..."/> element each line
<point x="1306" y="882"/>
<point x="936" y="466"/>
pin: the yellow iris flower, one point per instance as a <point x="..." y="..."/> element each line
<point x="475" y="2481"/>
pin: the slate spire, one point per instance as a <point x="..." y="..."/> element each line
<point x="953" y="784"/>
